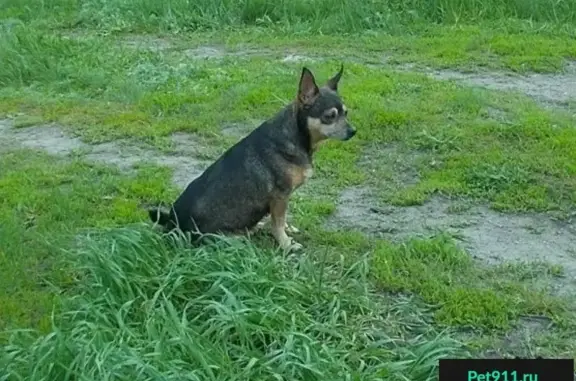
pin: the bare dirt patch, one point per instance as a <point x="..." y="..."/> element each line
<point x="489" y="236"/>
<point x="49" y="138"/>
<point x="520" y="341"/>
<point x="297" y="58"/>
<point x="144" y="42"/>
<point x="557" y="89"/>
<point x="218" y="52"/>
<point x="133" y="41"/>
<point x="52" y="139"/>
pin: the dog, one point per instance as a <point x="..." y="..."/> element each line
<point x="256" y="176"/>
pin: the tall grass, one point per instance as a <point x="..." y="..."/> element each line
<point x="326" y="16"/>
<point x="31" y="57"/>
<point x="148" y="309"/>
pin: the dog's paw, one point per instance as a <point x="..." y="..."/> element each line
<point x="290" y="245"/>
<point x="295" y="246"/>
<point x="291" y="229"/>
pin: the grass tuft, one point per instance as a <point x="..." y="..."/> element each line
<point x="149" y="308"/>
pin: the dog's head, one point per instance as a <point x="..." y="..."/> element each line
<point x="322" y="108"/>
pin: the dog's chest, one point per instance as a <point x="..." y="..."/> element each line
<point x="308" y="172"/>
<point x="299" y="175"/>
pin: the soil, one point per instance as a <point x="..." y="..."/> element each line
<point x="488" y="235"/>
<point x="53" y="139"/>
<point x="547" y="89"/>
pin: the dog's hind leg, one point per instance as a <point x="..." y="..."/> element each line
<point x="278" y="209"/>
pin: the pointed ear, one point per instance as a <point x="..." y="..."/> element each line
<point x="307" y="91"/>
<point x="333" y="82"/>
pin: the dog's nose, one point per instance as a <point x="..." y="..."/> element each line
<point x="350" y="132"/>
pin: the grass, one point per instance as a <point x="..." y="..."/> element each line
<point x="41" y="209"/>
<point x="111" y="93"/>
<point x="89" y="293"/>
<point x="332" y="17"/>
<point x="465" y="294"/>
<point x="148" y="309"/>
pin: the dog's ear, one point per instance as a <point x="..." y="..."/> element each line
<point x="308" y="90"/>
<point x="333" y="82"/>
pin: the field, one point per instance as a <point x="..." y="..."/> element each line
<point x="444" y="228"/>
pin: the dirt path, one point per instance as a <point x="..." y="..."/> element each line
<point x="52" y="139"/>
<point x="547" y="89"/>
<point x="489" y="236"/>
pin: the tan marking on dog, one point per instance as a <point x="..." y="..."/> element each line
<point x="320" y="131"/>
<point x="315" y="127"/>
<point x="299" y="175"/>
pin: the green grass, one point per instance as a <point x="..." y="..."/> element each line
<point x="465" y="293"/>
<point x="147" y="309"/>
<point x="88" y="293"/>
<point x="332" y="17"/>
<point x="107" y="92"/>
<point x="44" y="201"/>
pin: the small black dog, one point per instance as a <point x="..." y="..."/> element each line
<point x="257" y="175"/>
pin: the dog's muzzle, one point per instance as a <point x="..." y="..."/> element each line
<point x="350" y="132"/>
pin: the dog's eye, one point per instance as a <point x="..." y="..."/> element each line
<point x="331" y="115"/>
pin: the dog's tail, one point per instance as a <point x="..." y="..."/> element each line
<point x="159" y="216"/>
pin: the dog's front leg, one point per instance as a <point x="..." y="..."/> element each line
<point x="278" y="209"/>
<point x="291" y="229"/>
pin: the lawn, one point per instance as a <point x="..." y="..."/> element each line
<point x="444" y="228"/>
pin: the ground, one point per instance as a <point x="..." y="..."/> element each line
<point x="445" y="228"/>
